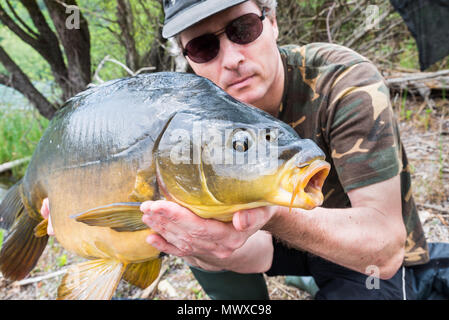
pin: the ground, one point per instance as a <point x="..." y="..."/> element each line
<point x="425" y="135"/>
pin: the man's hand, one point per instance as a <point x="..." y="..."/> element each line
<point x="183" y="233"/>
<point x="45" y="212"/>
<point x="206" y="243"/>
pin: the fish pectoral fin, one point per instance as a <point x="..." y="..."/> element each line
<point x="122" y="217"/>
<point x="91" y="280"/>
<point x="142" y="274"/>
<point x="41" y="229"/>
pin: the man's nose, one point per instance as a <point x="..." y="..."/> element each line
<point x="232" y="56"/>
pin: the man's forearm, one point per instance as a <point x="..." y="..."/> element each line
<point x="352" y="237"/>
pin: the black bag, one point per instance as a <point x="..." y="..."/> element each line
<point x="431" y="281"/>
<point x="428" y="22"/>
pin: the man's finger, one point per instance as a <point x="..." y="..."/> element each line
<point x="50" y="230"/>
<point x="186" y="220"/>
<point x="177" y="236"/>
<point x="45" y="212"/>
<point x="163" y="246"/>
<point x="45" y="209"/>
<point x="252" y="220"/>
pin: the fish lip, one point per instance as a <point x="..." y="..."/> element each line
<point x="307" y="178"/>
<point x="316" y="172"/>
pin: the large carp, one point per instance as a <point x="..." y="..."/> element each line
<point x="165" y="135"/>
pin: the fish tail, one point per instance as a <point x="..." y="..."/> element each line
<point x="21" y="248"/>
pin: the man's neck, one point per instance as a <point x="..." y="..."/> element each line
<point x="272" y="100"/>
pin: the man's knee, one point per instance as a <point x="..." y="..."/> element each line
<point x="228" y="285"/>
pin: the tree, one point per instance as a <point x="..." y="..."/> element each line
<point x="71" y="76"/>
<point x="135" y="24"/>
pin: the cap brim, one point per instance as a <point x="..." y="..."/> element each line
<point x="186" y="19"/>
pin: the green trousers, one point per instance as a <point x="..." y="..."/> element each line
<point x="228" y="285"/>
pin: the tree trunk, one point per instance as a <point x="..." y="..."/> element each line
<point x="125" y="20"/>
<point x="19" y="81"/>
<point x="76" y="43"/>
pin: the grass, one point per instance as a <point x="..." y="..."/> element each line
<point x="20" y="131"/>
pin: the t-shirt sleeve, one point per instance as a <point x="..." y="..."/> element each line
<point x="360" y="127"/>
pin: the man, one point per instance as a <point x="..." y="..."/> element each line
<point x="332" y="95"/>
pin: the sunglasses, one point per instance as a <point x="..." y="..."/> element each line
<point x="243" y="30"/>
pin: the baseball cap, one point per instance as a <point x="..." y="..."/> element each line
<point x="182" y="14"/>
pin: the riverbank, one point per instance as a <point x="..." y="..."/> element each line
<point x="426" y="140"/>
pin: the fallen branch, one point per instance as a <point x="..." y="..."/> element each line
<point x="434" y="207"/>
<point x="283" y="288"/>
<point x="417" y="77"/>
<point x="440" y="217"/>
<point x="9" y="165"/>
<point x="39" y="279"/>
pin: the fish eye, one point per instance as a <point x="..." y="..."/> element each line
<point x="240" y="146"/>
<point x="241" y="141"/>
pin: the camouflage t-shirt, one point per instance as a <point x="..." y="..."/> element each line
<point x="338" y="99"/>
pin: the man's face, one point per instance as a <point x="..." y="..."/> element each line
<point x="247" y="72"/>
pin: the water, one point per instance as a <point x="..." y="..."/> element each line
<point x="11" y="98"/>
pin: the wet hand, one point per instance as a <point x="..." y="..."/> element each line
<point x="45" y="212"/>
<point x="182" y="233"/>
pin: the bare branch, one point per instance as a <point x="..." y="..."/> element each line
<point x="329" y="36"/>
<point x="11" y="8"/>
<point x="9" y="22"/>
<point x="9" y="165"/>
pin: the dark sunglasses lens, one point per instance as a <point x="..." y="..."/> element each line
<point x="245" y="29"/>
<point x="203" y="48"/>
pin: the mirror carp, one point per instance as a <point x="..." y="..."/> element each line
<point x="173" y="136"/>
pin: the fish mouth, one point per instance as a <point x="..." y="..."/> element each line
<point x="300" y="185"/>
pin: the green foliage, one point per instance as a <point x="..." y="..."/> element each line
<point x="409" y="57"/>
<point x="62" y="260"/>
<point x="104" y="32"/>
<point x="1" y="238"/>
<point x="20" y="131"/>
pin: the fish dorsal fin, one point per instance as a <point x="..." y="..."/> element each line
<point x="142" y="274"/>
<point x="122" y="217"/>
<point x="91" y="280"/>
